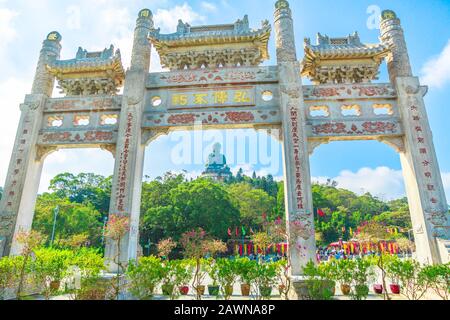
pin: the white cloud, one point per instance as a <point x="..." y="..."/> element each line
<point x="208" y="6"/>
<point x="383" y="182"/>
<point x="436" y="71"/>
<point x="7" y="31"/>
<point x="6" y="18"/>
<point x="167" y="20"/>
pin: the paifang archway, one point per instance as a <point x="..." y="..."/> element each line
<point x="216" y="80"/>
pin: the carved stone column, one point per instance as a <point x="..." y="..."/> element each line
<point x="392" y="35"/>
<point x="128" y="170"/>
<point x="25" y="167"/>
<point x="299" y="205"/>
<point x="426" y="195"/>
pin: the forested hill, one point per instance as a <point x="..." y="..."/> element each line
<point x="172" y="205"/>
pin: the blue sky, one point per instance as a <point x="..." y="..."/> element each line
<point x="359" y="166"/>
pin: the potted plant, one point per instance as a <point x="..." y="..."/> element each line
<point x="197" y="245"/>
<point x="408" y="273"/>
<point x="168" y="278"/>
<point x="362" y="275"/>
<point x="227" y="276"/>
<point x="344" y="272"/>
<point x="183" y="270"/>
<point x="246" y="272"/>
<point x="144" y="277"/>
<point x="213" y="272"/>
<point x="266" y="279"/>
<point x="49" y="268"/>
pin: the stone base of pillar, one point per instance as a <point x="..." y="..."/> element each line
<point x="299" y="289"/>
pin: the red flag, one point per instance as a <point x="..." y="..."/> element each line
<point x="264" y="216"/>
<point x="237" y="232"/>
<point x="229" y="232"/>
<point x="321" y="213"/>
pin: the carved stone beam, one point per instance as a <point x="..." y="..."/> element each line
<point x="109" y="147"/>
<point x="397" y="143"/>
<point x="43" y="151"/>
<point x="272" y="130"/>
<point x="313" y="144"/>
<point x="149" y="136"/>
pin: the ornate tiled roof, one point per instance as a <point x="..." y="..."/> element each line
<point x="340" y="60"/>
<point x="101" y="71"/>
<point x="89" y="62"/>
<point x="189" y="42"/>
<point x="349" y="47"/>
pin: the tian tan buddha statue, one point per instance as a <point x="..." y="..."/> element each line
<point x="217" y="168"/>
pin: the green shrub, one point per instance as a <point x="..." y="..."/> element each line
<point x="49" y="268"/>
<point x="9" y="273"/>
<point x="363" y="273"/>
<point x="408" y="273"/>
<point x="145" y="276"/>
<point x="246" y="270"/>
<point x="265" y="279"/>
<point x="438" y="279"/>
<point x="319" y="284"/>
<point x="227" y="275"/>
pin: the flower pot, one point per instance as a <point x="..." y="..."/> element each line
<point x="167" y="289"/>
<point x="55" y="285"/>
<point x="395" y="288"/>
<point x="214" y="290"/>
<point x="245" y="290"/>
<point x="200" y="290"/>
<point x="362" y="291"/>
<point x="184" y="290"/>
<point x="266" y="292"/>
<point x="378" y="288"/>
<point x="346" y="289"/>
<point x="330" y="286"/>
<point x="229" y="291"/>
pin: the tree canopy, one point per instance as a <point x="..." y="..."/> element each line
<point x="172" y="205"/>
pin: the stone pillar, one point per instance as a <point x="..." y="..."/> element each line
<point x="297" y="179"/>
<point x="426" y="195"/>
<point x="392" y="35"/>
<point x="22" y="183"/>
<point x="128" y="171"/>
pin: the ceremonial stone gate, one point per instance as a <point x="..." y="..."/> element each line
<point x="216" y="80"/>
